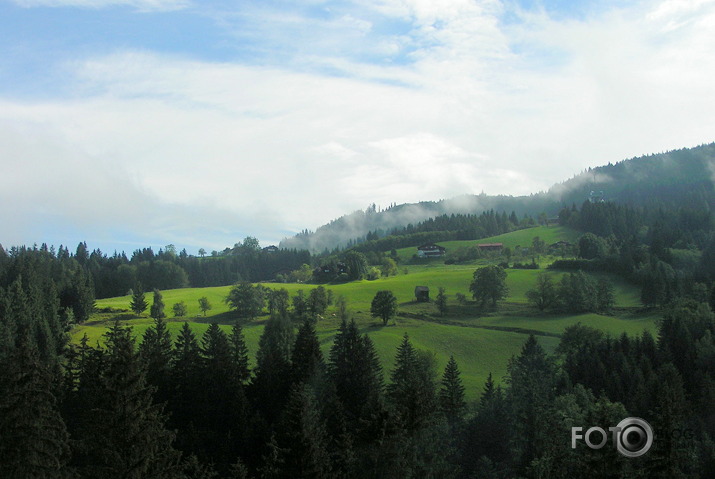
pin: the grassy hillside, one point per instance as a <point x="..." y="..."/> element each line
<point x="523" y="238"/>
<point x="481" y="343"/>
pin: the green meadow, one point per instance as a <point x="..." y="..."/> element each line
<point x="482" y="343"/>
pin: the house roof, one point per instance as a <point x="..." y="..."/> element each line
<point x="430" y="246"/>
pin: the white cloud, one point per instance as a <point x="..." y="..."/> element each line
<point x="197" y="149"/>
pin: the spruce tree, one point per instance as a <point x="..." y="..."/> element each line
<point x="451" y="394"/>
<point x="239" y="353"/>
<point x="157" y="307"/>
<point x="138" y="303"/>
<point x="411" y="391"/>
<point x="301" y="437"/>
<point x="532" y="381"/>
<point x="307" y="358"/>
<point x="34" y="442"/>
<point x="672" y="455"/>
<point x="186" y="358"/>
<point x="356" y="376"/>
<point x="271" y="382"/>
<point x="155" y="349"/>
<point x="186" y="385"/>
<point x="488" y="435"/>
<point x="222" y="400"/>
<point x="125" y="434"/>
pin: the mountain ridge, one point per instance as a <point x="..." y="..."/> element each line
<point x="667" y="179"/>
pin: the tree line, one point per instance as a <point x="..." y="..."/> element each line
<point x="196" y="406"/>
<point x="81" y="276"/>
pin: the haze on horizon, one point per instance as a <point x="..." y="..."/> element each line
<point x="130" y="123"/>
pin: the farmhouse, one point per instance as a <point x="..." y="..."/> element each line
<point x="422" y="293"/>
<point x="270" y="249"/>
<point x="430" y="250"/>
<point x="490" y="246"/>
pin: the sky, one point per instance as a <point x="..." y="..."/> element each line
<point x="134" y="123"/>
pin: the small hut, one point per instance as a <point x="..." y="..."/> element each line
<point x="422" y="293"/>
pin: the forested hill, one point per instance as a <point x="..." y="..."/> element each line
<point x="677" y="178"/>
<point x="680" y="177"/>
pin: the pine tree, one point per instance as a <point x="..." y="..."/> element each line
<point x="186" y="358"/>
<point x="672" y="456"/>
<point x="531" y="392"/>
<point x="155" y="349"/>
<point x="301" y="437"/>
<point x="239" y="353"/>
<point x="356" y="375"/>
<point x="412" y="390"/>
<point x="157" y="307"/>
<point x="186" y="386"/>
<point x="222" y="399"/>
<point x="125" y="435"/>
<point x="33" y="439"/>
<point x="307" y="358"/>
<point x="271" y="382"/>
<point x="451" y="394"/>
<point x="138" y="303"/>
<point x="488" y="435"/>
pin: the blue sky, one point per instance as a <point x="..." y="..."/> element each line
<point x="129" y="123"/>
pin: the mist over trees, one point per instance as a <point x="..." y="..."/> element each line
<point x="666" y="179"/>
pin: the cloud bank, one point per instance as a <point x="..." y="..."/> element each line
<point x="320" y="109"/>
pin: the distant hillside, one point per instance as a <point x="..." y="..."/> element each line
<point x="669" y="179"/>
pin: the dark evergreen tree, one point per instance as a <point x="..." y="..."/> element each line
<point x="156" y="350"/>
<point x="672" y="455"/>
<point x="451" y="393"/>
<point x="222" y="429"/>
<point x="486" y="447"/>
<point x="125" y="434"/>
<point x="355" y="374"/>
<point x="157" y="307"/>
<point x="412" y="390"/>
<point x="34" y="442"/>
<point x="138" y="303"/>
<point x="239" y="353"/>
<point x="271" y="382"/>
<point x="187" y="388"/>
<point x="307" y="358"/>
<point x="532" y="382"/>
<point x="302" y="438"/>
